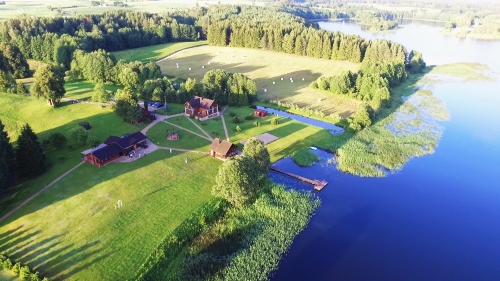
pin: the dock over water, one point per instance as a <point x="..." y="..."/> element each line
<point x="318" y="185"/>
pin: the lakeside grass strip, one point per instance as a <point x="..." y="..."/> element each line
<point x="222" y="243"/>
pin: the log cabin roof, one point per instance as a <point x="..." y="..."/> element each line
<point x="106" y="152"/>
<point x="221" y="146"/>
<point x="197" y="102"/>
<point x="129" y="140"/>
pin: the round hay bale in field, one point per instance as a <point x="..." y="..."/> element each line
<point x="202" y="66"/>
<point x="208" y="62"/>
<point x="177" y="66"/>
<point x="302" y="79"/>
<point x="265" y="90"/>
<point x="274" y="82"/>
<point x="176" y="63"/>
<point x="190" y="68"/>
<point x="281" y="78"/>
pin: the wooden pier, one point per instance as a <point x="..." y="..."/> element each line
<point x="318" y="185"/>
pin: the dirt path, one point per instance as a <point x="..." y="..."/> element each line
<point x="189" y="131"/>
<point x="224" y="123"/>
<point x="183" y="150"/>
<point x="203" y="131"/>
<point x="40" y="191"/>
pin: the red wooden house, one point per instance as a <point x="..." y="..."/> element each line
<point x="113" y="148"/>
<point x="201" y="108"/>
<point x="222" y="149"/>
<point x="260" y="113"/>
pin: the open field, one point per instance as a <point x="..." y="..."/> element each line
<point x="44" y="120"/>
<point x="96" y="241"/>
<point x="39" y="8"/>
<point x="83" y="90"/>
<point x="156" y="52"/>
<point x="266" y="67"/>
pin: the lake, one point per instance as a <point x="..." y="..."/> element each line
<point x="436" y="219"/>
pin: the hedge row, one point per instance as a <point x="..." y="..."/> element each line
<point x="157" y="263"/>
<point x="23" y="271"/>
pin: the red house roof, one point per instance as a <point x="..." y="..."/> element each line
<point x="197" y="102"/>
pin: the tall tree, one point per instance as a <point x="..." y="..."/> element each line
<point x="100" y="94"/>
<point x="30" y="158"/>
<point x="49" y="83"/>
<point x="255" y="149"/>
<point x="126" y="106"/>
<point x="237" y="181"/>
<point x="7" y="161"/>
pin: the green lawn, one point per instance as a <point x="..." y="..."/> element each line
<point x="214" y="127"/>
<point x="184" y="122"/>
<point x="83" y="90"/>
<point x="186" y="140"/>
<point x="72" y="231"/>
<point x="154" y="53"/>
<point x="44" y="120"/>
<point x="293" y="135"/>
<point x="175" y="108"/>
<point x="266" y="67"/>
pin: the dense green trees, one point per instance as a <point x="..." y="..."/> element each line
<point x="229" y="88"/>
<point x="361" y="119"/>
<point x="6" y="80"/>
<point x="12" y="61"/>
<point x="255" y="149"/>
<point x="79" y="134"/>
<point x="54" y="39"/>
<point x="159" y="89"/>
<point x="49" y="83"/>
<point x="96" y="66"/>
<point x="416" y="62"/>
<point x="7" y="161"/>
<point x="127" y="106"/>
<point x="100" y="94"/>
<point x="30" y="158"/>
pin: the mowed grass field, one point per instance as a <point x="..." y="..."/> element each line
<point x="266" y="67"/>
<point x="156" y="52"/>
<point x="72" y="231"/>
<point x="44" y="120"/>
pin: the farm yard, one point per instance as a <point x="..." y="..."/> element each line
<point x="266" y="67"/>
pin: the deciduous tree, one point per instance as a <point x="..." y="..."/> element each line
<point x="49" y="83"/>
<point x="255" y="149"/>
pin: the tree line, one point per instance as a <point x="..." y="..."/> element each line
<point x="54" y="39"/>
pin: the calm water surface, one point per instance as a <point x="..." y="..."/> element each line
<point x="439" y="217"/>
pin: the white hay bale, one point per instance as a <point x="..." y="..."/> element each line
<point x="265" y="90"/>
<point x="281" y="78"/>
<point x="274" y="82"/>
<point x="302" y="79"/>
<point x="202" y="66"/>
<point x="177" y="66"/>
<point x="190" y="68"/>
<point x="176" y="63"/>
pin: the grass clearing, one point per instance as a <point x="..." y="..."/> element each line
<point x="83" y="90"/>
<point x="44" y="120"/>
<point x="156" y="52"/>
<point x="97" y="242"/>
<point x="266" y="67"/>
<point x="157" y="135"/>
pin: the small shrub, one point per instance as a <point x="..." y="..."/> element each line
<point x="275" y="121"/>
<point x="57" y="139"/>
<point x="7" y="264"/>
<point x="236" y="120"/>
<point x="203" y="124"/>
<point x="71" y="147"/>
<point x="305" y="158"/>
<point x="45" y="144"/>
<point x="249" y="117"/>
<point x="238" y="129"/>
<point x="16" y="268"/>
<point x="61" y="159"/>
<point x="256" y="124"/>
<point x="24" y="273"/>
<point x="232" y="114"/>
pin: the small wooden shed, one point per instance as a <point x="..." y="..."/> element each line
<point x="260" y="113"/>
<point x="222" y="149"/>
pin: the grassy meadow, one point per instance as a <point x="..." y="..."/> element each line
<point x="44" y="120"/>
<point x="266" y="67"/>
<point x="156" y="52"/>
<point x="96" y="241"/>
<point x="186" y="139"/>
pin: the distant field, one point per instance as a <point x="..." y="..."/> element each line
<point x="154" y="53"/>
<point x="266" y="67"/>
<point x="14" y="8"/>
<point x="72" y="231"/>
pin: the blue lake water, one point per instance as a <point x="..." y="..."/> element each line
<point x="436" y="219"/>
<point x="334" y="130"/>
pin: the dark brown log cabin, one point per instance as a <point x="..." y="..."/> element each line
<point x="113" y="148"/>
<point x="222" y="149"/>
